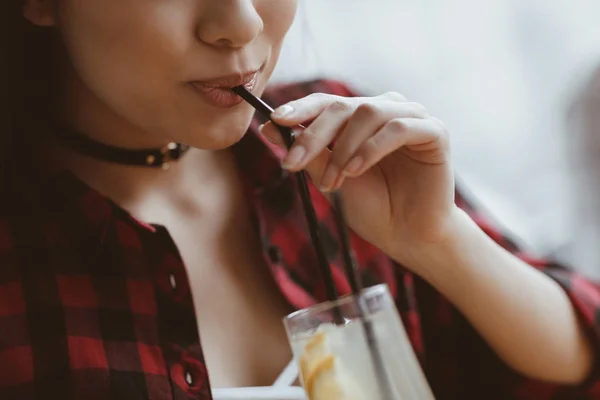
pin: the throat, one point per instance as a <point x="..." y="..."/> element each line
<point x="152" y="193"/>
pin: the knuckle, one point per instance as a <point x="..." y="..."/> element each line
<point x="395" y="96"/>
<point x="339" y="106"/>
<point x="312" y="140"/>
<point x="308" y="137"/>
<point x="375" y="142"/>
<point x="367" y="110"/>
<point x="369" y="149"/>
<point x="440" y="126"/>
<point x="441" y="131"/>
<point x="419" y="109"/>
<point x="397" y="125"/>
<point x="318" y="97"/>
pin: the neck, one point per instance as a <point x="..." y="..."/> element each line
<point x="90" y="116"/>
<point x="132" y="187"/>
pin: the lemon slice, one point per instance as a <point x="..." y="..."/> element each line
<point x="314" y="351"/>
<point x="322" y="374"/>
<point x="324" y="382"/>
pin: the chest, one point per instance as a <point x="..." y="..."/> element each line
<point x="239" y="307"/>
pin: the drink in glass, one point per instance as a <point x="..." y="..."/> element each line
<point x="333" y="345"/>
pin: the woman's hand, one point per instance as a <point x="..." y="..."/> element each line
<point x="399" y="196"/>
<point x="391" y="160"/>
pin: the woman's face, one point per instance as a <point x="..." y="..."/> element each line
<point x="149" y="68"/>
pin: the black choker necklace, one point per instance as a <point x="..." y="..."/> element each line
<point x="157" y="158"/>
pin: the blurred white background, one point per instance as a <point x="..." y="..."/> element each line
<point x="500" y="73"/>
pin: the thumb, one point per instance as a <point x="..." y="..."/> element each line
<point x="315" y="168"/>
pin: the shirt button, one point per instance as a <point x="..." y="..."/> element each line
<point x="275" y="254"/>
<point x="188" y="378"/>
<point x="172" y="281"/>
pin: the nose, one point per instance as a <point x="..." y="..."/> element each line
<point x="229" y="23"/>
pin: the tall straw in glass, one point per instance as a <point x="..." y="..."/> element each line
<point x="354" y="347"/>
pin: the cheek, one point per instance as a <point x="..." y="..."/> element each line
<point x="278" y="16"/>
<point x="129" y="56"/>
<point x="134" y="57"/>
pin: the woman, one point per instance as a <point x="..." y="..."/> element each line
<point x="96" y="304"/>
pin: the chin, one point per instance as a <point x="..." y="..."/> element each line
<point x="217" y="137"/>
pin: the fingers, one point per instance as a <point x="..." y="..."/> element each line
<point x="314" y="168"/>
<point x="318" y="135"/>
<point x="367" y="120"/>
<point x="364" y="119"/>
<point x="423" y="140"/>
<point x="271" y="133"/>
<point x="365" y="131"/>
<point x="309" y="107"/>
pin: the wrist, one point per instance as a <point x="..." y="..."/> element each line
<point x="434" y="258"/>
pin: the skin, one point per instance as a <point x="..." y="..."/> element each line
<point x="391" y="161"/>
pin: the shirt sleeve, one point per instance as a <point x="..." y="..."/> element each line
<point x="583" y="293"/>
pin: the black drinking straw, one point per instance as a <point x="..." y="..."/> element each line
<point x="361" y="307"/>
<point x="350" y="266"/>
<point x="309" y="211"/>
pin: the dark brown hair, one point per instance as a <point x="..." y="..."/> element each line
<point x="27" y="85"/>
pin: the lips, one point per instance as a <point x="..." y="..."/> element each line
<point x="218" y="92"/>
<point x="229" y="82"/>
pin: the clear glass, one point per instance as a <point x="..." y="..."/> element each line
<point x="335" y="361"/>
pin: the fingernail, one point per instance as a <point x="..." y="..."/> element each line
<point x="354" y="166"/>
<point x="260" y="128"/>
<point x="283" y="111"/>
<point x="294" y="157"/>
<point x="329" y="177"/>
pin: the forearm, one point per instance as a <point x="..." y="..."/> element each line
<point x="525" y="316"/>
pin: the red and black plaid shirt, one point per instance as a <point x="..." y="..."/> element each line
<point x="95" y="304"/>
